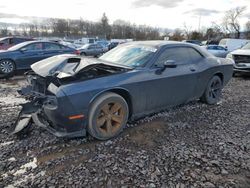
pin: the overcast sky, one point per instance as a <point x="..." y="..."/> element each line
<point x="160" y="13"/>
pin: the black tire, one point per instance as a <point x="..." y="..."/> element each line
<point x="212" y="94"/>
<point x="104" y="120"/>
<point x="83" y="54"/>
<point x="7" y="68"/>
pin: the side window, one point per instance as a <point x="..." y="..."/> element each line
<point x="11" y="41"/>
<point x="64" y="47"/>
<point x="18" y="40"/>
<point x="34" y="47"/>
<point x="178" y="54"/>
<point x="4" y="42"/>
<point x="220" y="48"/>
<point x="50" y="46"/>
<point x="194" y="55"/>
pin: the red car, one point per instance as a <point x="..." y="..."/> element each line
<point x="8" y="42"/>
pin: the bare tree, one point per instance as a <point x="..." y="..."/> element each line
<point x="248" y="30"/>
<point x="187" y="30"/>
<point x="4" y="30"/>
<point x="231" y="20"/>
<point x="177" y="35"/>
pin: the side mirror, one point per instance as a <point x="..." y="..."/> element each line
<point x="166" y="64"/>
<point x="170" y="64"/>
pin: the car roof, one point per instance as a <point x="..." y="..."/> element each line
<point x="16" y="37"/>
<point x="159" y="43"/>
<point x="39" y="41"/>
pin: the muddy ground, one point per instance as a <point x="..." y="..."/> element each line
<point x="194" y="145"/>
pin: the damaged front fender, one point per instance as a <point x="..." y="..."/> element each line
<point x="24" y="120"/>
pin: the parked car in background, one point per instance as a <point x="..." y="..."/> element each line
<point x="241" y="58"/>
<point x="91" y="50"/>
<point x="69" y="44"/>
<point x="104" y="45"/>
<point x="112" y="45"/>
<point x="233" y="44"/>
<point x="133" y="80"/>
<point x="23" y="55"/>
<point x="197" y="42"/>
<point x="217" y="50"/>
<point x="8" y="42"/>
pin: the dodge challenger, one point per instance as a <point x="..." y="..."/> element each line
<point x="72" y="96"/>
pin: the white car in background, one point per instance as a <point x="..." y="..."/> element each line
<point x="233" y="44"/>
<point x="241" y="58"/>
<point x="216" y="50"/>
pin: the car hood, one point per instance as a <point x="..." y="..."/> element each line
<point x="241" y="52"/>
<point x="68" y="65"/>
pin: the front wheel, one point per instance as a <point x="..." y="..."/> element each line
<point x="213" y="91"/>
<point x="7" y="68"/>
<point x="108" y="116"/>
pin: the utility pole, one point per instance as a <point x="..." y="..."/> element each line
<point x="199" y="26"/>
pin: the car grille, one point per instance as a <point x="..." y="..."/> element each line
<point x="241" y="59"/>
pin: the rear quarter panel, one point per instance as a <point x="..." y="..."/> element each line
<point x="211" y="67"/>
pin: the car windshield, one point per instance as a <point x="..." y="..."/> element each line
<point x="246" y="47"/>
<point x="129" y="55"/>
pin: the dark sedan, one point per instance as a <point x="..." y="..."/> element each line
<point x="8" y="42"/>
<point x="23" y="55"/>
<point x="73" y="95"/>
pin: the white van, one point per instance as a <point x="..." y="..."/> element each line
<point x="233" y="44"/>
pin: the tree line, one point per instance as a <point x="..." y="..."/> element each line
<point x="78" y="28"/>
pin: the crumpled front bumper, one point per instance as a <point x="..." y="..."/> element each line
<point x="32" y="114"/>
<point x="39" y="121"/>
<point x="53" y="119"/>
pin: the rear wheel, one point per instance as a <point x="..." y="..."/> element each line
<point x="213" y="91"/>
<point x="108" y="116"/>
<point x="7" y="68"/>
<point x="83" y="54"/>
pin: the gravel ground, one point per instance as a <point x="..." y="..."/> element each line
<point x="194" y="145"/>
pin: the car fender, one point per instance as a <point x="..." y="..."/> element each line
<point x="116" y="90"/>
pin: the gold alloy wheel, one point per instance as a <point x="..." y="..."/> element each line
<point x="110" y="118"/>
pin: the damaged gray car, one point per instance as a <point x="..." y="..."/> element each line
<point x="71" y="96"/>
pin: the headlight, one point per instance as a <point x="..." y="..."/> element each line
<point x="230" y="56"/>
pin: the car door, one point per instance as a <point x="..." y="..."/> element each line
<point x="30" y="54"/>
<point x="91" y="50"/>
<point x="99" y="49"/>
<point x="173" y="86"/>
<point x="222" y="52"/>
<point x="212" y="50"/>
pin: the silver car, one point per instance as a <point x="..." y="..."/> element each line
<point x="91" y="50"/>
<point x="217" y="50"/>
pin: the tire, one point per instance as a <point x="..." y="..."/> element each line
<point x="108" y="116"/>
<point x="212" y="94"/>
<point x="7" y="68"/>
<point x="83" y="54"/>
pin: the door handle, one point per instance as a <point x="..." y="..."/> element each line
<point x="192" y="69"/>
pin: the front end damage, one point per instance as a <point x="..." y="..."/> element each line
<point x="43" y="111"/>
<point x="49" y="107"/>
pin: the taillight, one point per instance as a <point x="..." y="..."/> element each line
<point x="77" y="52"/>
